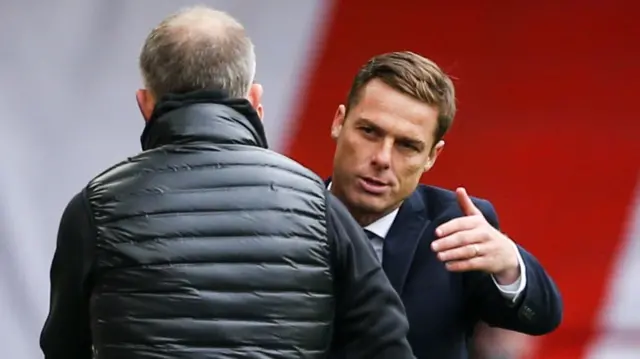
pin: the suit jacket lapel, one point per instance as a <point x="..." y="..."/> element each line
<point x="402" y="240"/>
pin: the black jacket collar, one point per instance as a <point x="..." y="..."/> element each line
<point x="203" y="116"/>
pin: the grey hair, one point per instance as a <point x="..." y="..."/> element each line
<point x="198" y="48"/>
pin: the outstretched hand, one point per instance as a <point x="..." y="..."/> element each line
<point x="470" y="243"/>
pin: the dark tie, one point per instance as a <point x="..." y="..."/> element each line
<point x="372" y="236"/>
<point x="376" y="243"/>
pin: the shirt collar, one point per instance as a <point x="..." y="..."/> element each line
<point x="381" y="226"/>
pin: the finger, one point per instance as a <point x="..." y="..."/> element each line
<point x="457" y="225"/>
<point x="460" y="253"/>
<point x="452" y="241"/>
<point x="467" y="206"/>
<point x="471" y="264"/>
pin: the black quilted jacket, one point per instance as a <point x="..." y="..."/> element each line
<point x="209" y="243"/>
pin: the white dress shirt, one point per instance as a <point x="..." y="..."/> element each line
<point x="381" y="227"/>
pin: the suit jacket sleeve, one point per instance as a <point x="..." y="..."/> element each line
<point x="370" y="319"/>
<point x="67" y="332"/>
<point x="537" y="311"/>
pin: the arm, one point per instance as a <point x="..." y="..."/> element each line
<point x="513" y="290"/>
<point x="370" y="319"/>
<point x="536" y="310"/>
<point x="67" y="332"/>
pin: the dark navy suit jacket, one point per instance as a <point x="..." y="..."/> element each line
<point x="443" y="307"/>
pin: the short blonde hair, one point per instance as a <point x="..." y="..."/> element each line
<point x="198" y="48"/>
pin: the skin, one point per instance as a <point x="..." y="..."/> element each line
<point x="383" y="146"/>
<point x="386" y="137"/>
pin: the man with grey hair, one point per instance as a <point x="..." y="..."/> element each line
<point x="207" y="244"/>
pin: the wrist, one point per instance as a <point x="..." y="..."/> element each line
<point x="508" y="276"/>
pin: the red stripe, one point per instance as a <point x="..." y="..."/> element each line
<point x="547" y="128"/>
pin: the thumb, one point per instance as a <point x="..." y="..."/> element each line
<point x="467" y="206"/>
